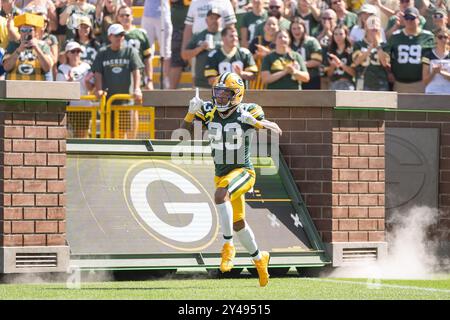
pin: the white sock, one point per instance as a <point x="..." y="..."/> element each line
<point x="247" y="238"/>
<point x="226" y="220"/>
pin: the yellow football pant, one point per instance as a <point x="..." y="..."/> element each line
<point x="238" y="182"/>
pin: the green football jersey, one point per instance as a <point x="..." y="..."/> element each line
<point x="230" y="139"/>
<point x="251" y="21"/>
<point x="137" y="38"/>
<point x="406" y="54"/>
<point x="310" y="49"/>
<point x="275" y="62"/>
<point x="202" y="58"/>
<point x="312" y="25"/>
<point x="373" y="72"/>
<point x="220" y="62"/>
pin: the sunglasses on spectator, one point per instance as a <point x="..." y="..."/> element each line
<point x="75" y="51"/>
<point x="274" y="7"/>
<point x="327" y="18"/>
<point x="442" y="37"/>
<point x="26" y="29"/>
<point x="438" y="16"/>
<point x="127" y="15"/>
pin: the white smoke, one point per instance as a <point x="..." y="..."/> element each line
<point x="412" y="254"/>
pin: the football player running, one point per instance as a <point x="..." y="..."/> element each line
<point x="230" y="124"/>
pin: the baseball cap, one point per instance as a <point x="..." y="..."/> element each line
<point x="84" y="20"/>
<point x="115" y="29"/>
<point x="368" y="8"/>
<point x="411" y="11"/>
<point x="441" y="11"/>
<point x="72" y="45"/>
<point x="213" y="11"/>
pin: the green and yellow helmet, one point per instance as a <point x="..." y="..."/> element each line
<point x="227" y="91"/>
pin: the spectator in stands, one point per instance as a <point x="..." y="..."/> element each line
<point x="74" y="11"/>
<point x="436" y="65"/>
<point x="51" y="40"/>
<point x="310" y="50"/>
<point x="137" y="39"/>
<point x="196" y="19"/>
<point x="344" y="16"/>
<point x="358" y="31"/>
<point x="230" y="58"/>
<point x="310" y="14"/>
<point x="75" y="70"/>
<point x="328" y="22"/>
<point x="9" y="8"/>
<point x="339" y="61"/>
<point x="405" y="49"/>
<point x="116" y="67"/>
<point x="84" y="35"/>
<point x="276" y="9"/>
<point x="263" y="44"/>
<point x="105" y="16"/>
<point x="45" y="7"/>
<point x="199" y="47"/>
<point x="178" y="11"/>
<point x="284" y="68"/>
<point x="2" y="70"/>
<point x="241" y="7"/>
<point x="371" y="73"/>
<point x="116" y="70"/>
<point x="251" y="20"/>
<point x="439" y="19"/>
<point x="29" y="58"/>
<point x="157" y="22"/>
<point x="396" y="20"/>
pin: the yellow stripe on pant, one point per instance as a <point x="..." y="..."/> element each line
<point x="238" y="182"/>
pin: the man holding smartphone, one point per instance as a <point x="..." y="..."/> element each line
<point x="28" y="59"/>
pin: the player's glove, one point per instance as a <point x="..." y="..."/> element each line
<point x="195" y="104"/>
<point x="272" y="126"/>
<point x="247" y="118"/>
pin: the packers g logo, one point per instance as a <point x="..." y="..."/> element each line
<point x="171" y="205"/>
<point x="25" y="68"/>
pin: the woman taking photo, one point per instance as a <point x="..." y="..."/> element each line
<point x="309" y="48"/>
<point x="284" y="68"/>
<point x="436" y="65"/>
<point x="338" y="64"/>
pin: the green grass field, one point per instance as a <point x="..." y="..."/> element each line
<point x="198" y="286"/>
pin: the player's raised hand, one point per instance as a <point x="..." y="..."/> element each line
<point x="247" y="118"/>
<point x="195" y="103"/>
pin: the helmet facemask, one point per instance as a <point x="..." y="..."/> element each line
<point x="223" y="98"/>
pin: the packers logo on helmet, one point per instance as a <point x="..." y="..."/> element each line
<point x="228" y="91"/>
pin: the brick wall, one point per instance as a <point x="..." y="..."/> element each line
<point x="442" y="122"/>
<point x="32" y="185"/>
<point x="337" y="161"/>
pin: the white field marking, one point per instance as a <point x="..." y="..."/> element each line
<point x="380" y="285"/>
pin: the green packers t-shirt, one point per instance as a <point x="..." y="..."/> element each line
<point x="275" y="62"/>
<point x="116" y="68"/>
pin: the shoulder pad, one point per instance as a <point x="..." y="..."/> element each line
<point x="213" y="52"/>
<point x="245" y="50"/>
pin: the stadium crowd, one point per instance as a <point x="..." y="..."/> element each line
<point x="400" y="45"/>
